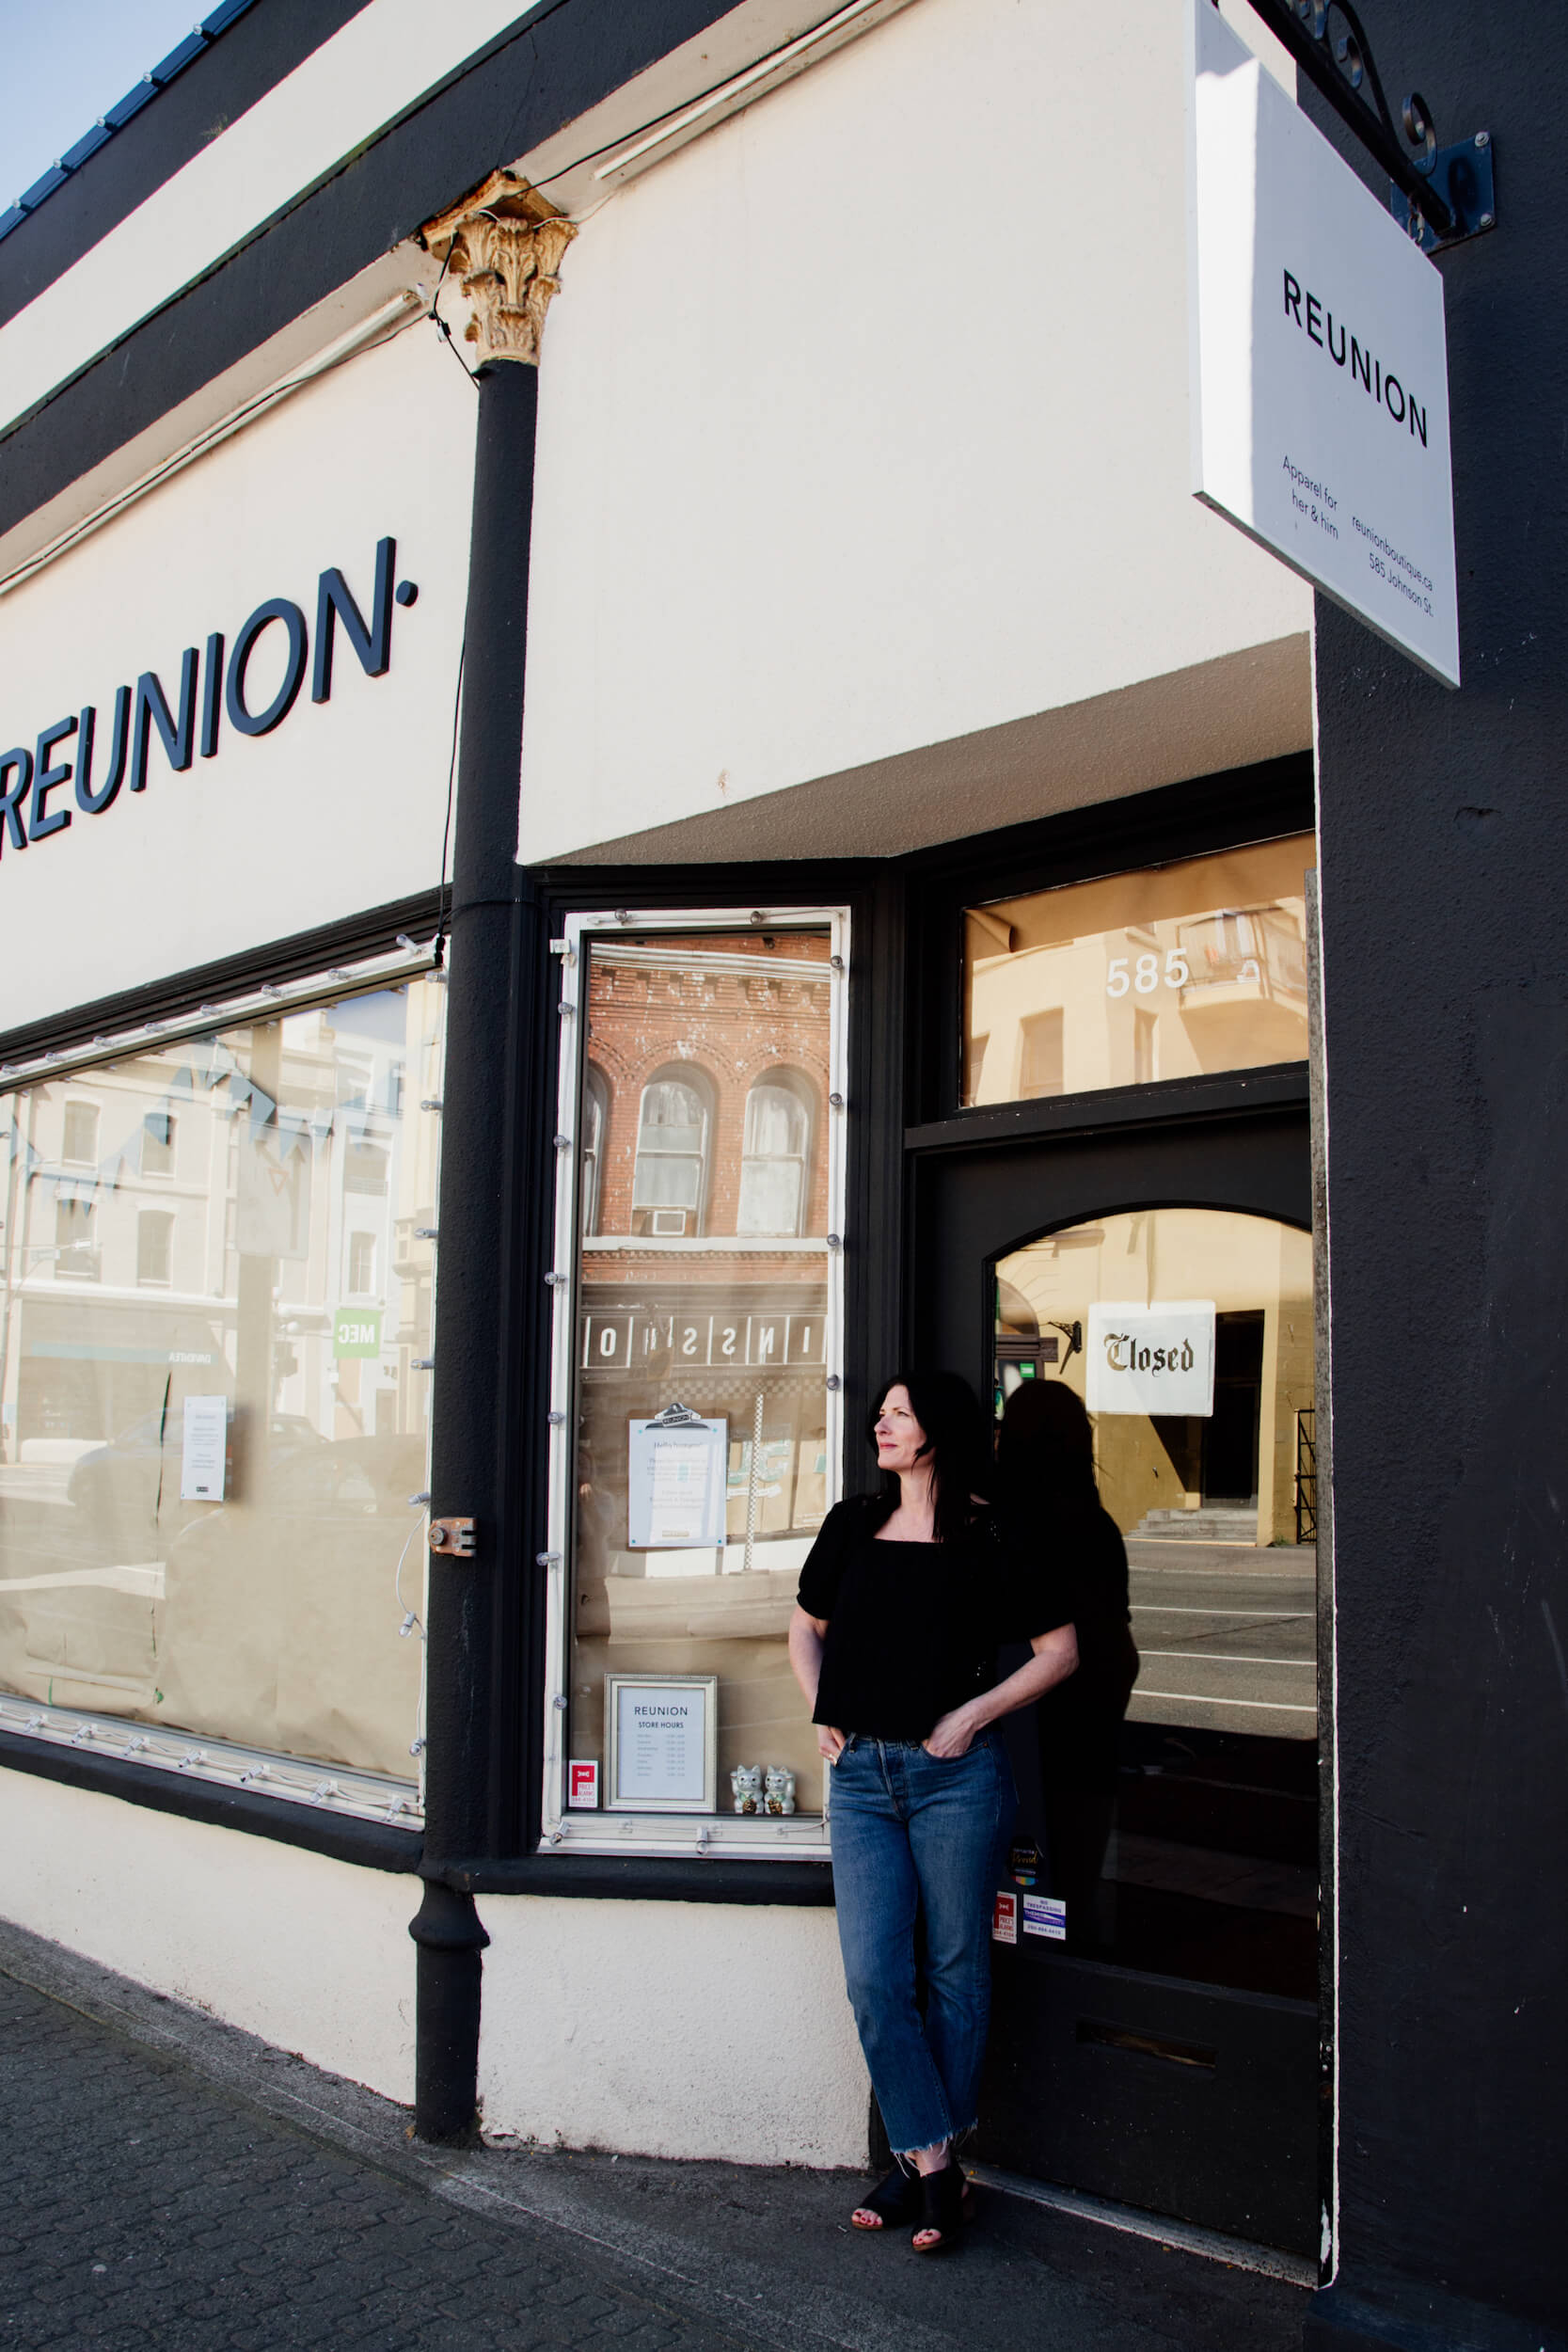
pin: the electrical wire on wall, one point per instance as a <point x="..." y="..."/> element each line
<point x="440" y="323"/>
<point x="414" y="1623"/>
<point x="443" y="910"/>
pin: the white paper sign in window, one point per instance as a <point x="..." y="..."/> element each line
<point x="204" y="1440"/>
<point x="663" y="1742"/>
<point x="675" y="1481"/>
<point x="1152" y="1359"/>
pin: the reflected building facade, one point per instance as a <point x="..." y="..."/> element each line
<point x="704" y="1190"/>
<point x="243" y="1215"/>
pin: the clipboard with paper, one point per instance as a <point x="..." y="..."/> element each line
<point x="676" y="1481"/>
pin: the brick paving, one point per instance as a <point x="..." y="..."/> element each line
<point x="143" y="2207"/>
<point x="171" y="2182"/>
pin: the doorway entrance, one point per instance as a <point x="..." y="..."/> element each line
<point x="1155" y="2023"/>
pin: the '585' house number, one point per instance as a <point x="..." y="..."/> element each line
<point x="1145" y="974"/>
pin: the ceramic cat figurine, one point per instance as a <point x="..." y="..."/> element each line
<point x="779" y="1790"/>
<point x="746" y="1782"/>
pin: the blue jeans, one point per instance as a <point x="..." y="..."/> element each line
<point x="917" y="1839"/>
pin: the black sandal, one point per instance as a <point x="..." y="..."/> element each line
<point x="897" y="2199"/>
<point x="944" y="2197"/>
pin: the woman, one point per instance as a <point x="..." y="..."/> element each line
<point x="1048" y="1501"/>
<point x="902" y="1603"/>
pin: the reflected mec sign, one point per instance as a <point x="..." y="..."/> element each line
<point x="1319" y="390"/>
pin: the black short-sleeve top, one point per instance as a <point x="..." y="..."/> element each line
<point x="913" y="1629"/>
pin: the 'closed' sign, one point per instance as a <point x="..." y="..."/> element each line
<point x="1152" y="1359"/>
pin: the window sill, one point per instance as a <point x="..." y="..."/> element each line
<point x="645" y="1878"/>
<point x="1272" y="1086"/>
<point x="704" y="1837"/>
<point x="156" y="1752"/>
<point x="376" y="1845"/>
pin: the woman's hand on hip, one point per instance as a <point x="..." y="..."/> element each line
<point x="953" y="1735"/>
<point x="830" y="1742"/>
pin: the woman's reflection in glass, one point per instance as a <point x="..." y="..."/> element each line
<point x="1046" y="1487"/>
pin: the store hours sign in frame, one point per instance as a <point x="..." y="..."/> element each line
<point x="1319" y="389"/>
<point x="653" y="1829"/>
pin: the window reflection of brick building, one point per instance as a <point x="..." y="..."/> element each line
<point x="704" y="1213"/>
<point x="708" y="1086"/>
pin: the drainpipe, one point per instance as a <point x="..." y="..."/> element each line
<point x="503" y="244"/>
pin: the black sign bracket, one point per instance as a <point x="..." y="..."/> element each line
<point x="1440" y="195"/>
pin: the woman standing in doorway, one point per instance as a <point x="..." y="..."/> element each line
<point x="902" y="1603"/>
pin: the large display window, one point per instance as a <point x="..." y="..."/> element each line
<point x="216" y="1267"/>
<point x="696" y="1438"/>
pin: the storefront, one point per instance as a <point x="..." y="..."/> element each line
<point x="460" y="1203"/>
<point x="1085" y="1090"/>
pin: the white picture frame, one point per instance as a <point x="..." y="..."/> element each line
<point x="661" y="1744"/>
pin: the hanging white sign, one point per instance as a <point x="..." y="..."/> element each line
<point x="1152" y="1359"/>
<point x="1320" y="386"/>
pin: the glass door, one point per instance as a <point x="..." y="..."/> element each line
<point x="1170" y="1790"/>
<point x="1155" y="2022"/>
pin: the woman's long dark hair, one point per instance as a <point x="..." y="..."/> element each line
<point x="946" y="1408"/>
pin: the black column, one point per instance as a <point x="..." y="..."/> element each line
<point x="1445" y="941"/>
<point x="471" y="1406"/>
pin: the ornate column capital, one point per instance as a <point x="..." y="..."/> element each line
<point x="504" y="244"/>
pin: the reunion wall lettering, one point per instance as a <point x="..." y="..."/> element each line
<point x="29" y="775"/>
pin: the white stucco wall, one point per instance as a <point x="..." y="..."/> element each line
<point x="343" y="805"/>
<point x="312" y="1955"/>
<point x="864" y="428"/>
<point x="670" y="2029"/>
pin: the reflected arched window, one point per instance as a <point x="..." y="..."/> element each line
<point x="595" y="1114"/>
<point x="776" y="1159"/>
<point x="674" y="1131"/>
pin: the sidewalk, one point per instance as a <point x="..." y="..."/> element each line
<point x="172" y="2183"/>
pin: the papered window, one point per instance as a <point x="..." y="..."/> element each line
<point x="216" y="1270"/>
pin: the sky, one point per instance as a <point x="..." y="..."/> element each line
<point x="64" y="62"/>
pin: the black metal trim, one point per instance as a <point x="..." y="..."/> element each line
<point x="295" y="958"/>
<point x="1339" y="64"/>
<point x="522" y="86"/>
<point x="476" y="1415"/>
<point x="138" y="153"/>
<point x="643" y="1878"/>
<point x="449" y="1937"/>
<point x="1269" y="1087"/>
<point x="1227" y="809"/>
<point x="341" y="1839"/>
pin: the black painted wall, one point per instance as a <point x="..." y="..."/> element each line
<point x="1445" y="897"/>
